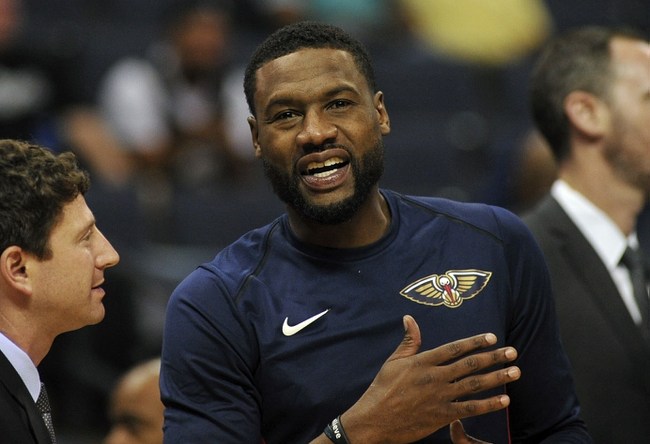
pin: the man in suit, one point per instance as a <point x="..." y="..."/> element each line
<point x="590" y="96"/>
<point x="52" y="263"/>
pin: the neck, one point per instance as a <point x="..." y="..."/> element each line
<point x="26" y="336"/>
<point x="619" y="200"/>
<point x="368" y="225"/>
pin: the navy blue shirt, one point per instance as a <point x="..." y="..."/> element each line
<point x="232" y="374"/>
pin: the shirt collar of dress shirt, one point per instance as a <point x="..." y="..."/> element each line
<point x="23" y="365"/>
<point x="599" y="229"/>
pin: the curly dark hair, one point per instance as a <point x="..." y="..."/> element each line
<point x="307" y="34"/>
<point x="35" y="185"/>
<point x="577" y="60"/>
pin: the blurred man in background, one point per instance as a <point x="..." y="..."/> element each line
<point x="591" y="101"/>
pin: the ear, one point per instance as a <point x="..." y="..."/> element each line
<point x="586" y="113"/>
<point x="14" y="269"/>
<point x="380" y="107"/>
<point x="252" y="123"/>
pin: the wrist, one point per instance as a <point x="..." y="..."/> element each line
<point x="335" y="432"/>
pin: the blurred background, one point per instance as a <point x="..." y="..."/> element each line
<point x="149" y="94"/>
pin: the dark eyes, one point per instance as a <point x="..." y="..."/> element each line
<point x="285" y="115"/>
<point x="339" y="104"/>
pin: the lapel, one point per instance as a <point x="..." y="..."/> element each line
<point x="14" y="385"/>
<point x="587" y="267"/>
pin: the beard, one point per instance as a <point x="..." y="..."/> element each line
<point x="628" y="159"/>
<point x="366" y="173"/>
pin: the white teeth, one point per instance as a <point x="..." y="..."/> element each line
<point x="328" y="162"/>
<point x="333" y="161"/>
<point x="324" y="173"/>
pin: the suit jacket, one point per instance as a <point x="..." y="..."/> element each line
<point x="610" y="358"/>
<point x="20" y="420"/>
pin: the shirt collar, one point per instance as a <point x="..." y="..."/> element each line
<point x="599" y="229"/>
<point x="23" y="365"/>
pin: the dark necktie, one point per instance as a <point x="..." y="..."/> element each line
<point x="43" y="405"/>
<point x="633" y="260"/>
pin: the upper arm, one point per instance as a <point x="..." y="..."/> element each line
<point x="208" y="364"/>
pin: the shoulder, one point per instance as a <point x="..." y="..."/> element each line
<point x="487" y="219"/>
<point x="547" y="217"/>
<point x="229" y="270"/>
<point x="9" y="376"/>
<point x="15" y="402"/>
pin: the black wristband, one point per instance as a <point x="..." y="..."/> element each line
<point x="334" y="431"/>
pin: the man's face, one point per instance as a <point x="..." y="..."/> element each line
<point x="66" y="287"/>
<point x="318" y="131"/>
<point x="628" y="142"/>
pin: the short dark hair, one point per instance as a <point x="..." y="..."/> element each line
<point x="35" y="185"/>
<point x="307" y="34"/>
<point x="577" y="60"/>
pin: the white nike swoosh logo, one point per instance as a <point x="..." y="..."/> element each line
<point x="290" y="330"/>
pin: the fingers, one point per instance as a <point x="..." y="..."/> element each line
<point x="468" y="383"/>
<point x="442" y="385"/>
<point x="454" y="350"/>
<point x="475" y="407"/>
<point x="466" y="376"/>
<point x="464" y="357"/>
<point x="410" y="343"/>
<point x="459" y="351"/>
<point x="479" y="361"/>
<point x="479" y="383"/>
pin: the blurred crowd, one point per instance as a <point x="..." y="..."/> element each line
<point x="149" y="94"/>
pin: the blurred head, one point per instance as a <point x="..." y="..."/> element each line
<point x="580" y="60"/>
<point x="136" y="412"/>
<point x="200" y="30"/>
<point x="591" y="88"/>
<point x="303" y="35"/>
<point x="626" y="137"/>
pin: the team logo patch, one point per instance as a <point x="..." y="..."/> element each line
<point x="449" y="289"/>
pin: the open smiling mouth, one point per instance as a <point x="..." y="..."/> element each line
<point x="324" y="169"/>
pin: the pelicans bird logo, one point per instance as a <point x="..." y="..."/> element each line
<point x="449" y="289"/>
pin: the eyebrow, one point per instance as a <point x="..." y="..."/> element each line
<point x="341" y="89"/>
<point x="288" y="101"/>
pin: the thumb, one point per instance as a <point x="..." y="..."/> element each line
<point x="457" y="432"/>
<point x="458" y="435"/>
<point x="410" y="343"/>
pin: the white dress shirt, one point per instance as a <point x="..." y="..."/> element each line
<point x="23" y="365"/>
<point x="604" y="236"/>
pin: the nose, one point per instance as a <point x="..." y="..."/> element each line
<point x="316" y="131"/>
<point x="108" y="256"/>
